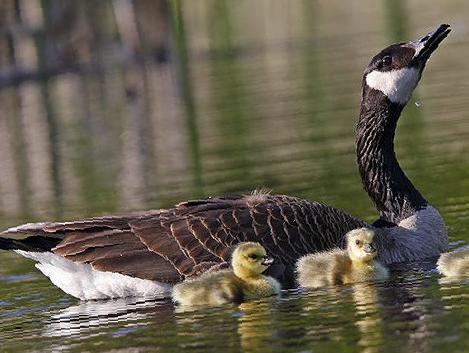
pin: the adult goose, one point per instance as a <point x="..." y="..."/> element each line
<point x="145" y="253"/>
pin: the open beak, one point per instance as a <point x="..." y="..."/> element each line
<point x="267" y="261"/>
<point x="425" y="46"/>
<point x="369" y="248"/>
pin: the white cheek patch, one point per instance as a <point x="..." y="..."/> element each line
<point x="397" y="85"/>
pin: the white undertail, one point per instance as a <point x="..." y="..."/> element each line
<point x="83" y="282"/>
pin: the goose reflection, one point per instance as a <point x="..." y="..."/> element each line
<point x="89" y="318"/>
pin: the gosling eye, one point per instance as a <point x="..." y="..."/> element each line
<point x="387" y="60"/>
<point x="357" y="242"/>
<point x="252" y="256"/>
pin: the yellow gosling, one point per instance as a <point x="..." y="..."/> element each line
<point x="355" y="264"/>
<point x="243" y="283"/>
<point x="454" y="264"/>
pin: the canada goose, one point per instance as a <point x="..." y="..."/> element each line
<point x="244" y="282"/>
<point x="454" y="264"/>
<point x="355" y="264"/>
<point x="148" y="252"/>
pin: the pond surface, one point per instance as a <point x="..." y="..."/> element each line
<point x="253" y="94"/>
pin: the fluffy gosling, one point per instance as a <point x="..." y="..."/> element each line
<point x="244" y="282"/>
<point x="355" y="264"/>
<point x="454" y="264"/>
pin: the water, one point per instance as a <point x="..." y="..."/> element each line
<point x="262" y="94"/>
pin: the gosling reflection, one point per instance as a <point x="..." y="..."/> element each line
<point x="243" y="283"/>
<point x="337" y="312"/>
<point x="256" y="327"/>
<point x="355" y="264"/>
<point x="365" y="296"/>
<point x="212" y="328"/>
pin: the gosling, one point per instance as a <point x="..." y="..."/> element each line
<point x="243" y="283"/>
<point x="454" y="264"/>
<point x="337" y="266"/>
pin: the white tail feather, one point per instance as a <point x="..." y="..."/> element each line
<point x="83" y="282"/>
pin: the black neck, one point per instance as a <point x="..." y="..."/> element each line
<point x="392" y="192"/>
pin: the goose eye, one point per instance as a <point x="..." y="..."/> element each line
<point x="387" y="60"/>
<point x="252" y="256"/>
<point x="357" y="242"/>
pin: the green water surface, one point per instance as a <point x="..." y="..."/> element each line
<point x="250" y="94"/>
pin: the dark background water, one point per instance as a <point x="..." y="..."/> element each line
<point x="114" y="106"/>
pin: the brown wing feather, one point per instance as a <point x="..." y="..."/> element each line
<point x="139" y="263"/>
<point x="77" y="242"/>
<point x="157" y="237"/>
<point x="113" y="222"/>
<point x="212" y="241"/>
<point x="196" y="236"/>
<point x="94" y="253"/>
<point x="116" y="251"/>
<point x="181" y="231"/>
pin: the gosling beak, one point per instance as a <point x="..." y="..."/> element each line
<point x="426" y="45"/>
<point x="267" y="261"/>
<point x="369" y="248"/>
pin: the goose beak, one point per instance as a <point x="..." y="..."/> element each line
<point x="425" y="46"/>
<point x="267" y="261"/>
<point x="369" y="248"/>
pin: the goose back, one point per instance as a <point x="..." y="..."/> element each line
<point x="196" y="236"/>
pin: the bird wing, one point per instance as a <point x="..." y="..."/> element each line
<point x="195" y="236"/>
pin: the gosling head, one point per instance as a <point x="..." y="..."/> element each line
<point x="396" y="70"/>
<point x="250" y="259"/>
<point x="360" y="245"/>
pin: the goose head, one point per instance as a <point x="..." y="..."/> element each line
<point x="360" y="246"/>
<point x="250" y="259"/>
<point x="395" y="71"/>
